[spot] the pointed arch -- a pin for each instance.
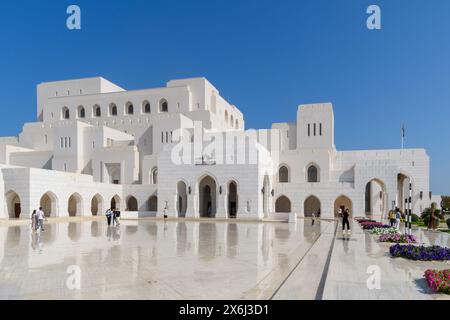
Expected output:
(112, 109)
(163, 106)
(207, 192)
(146, 107)
(115, 202)
(129, 107)
(283, 174)
(312, 206)
(65, 113)
(132, 203)
(283, 204)
(97, 111)
(13, 204)
(181, 198)
(97, 204)
(152, 203)
(312, 173)
(81, 112)
(375, 197)
(343, 202)
(75, 205)
(233, 198)
(49, 204)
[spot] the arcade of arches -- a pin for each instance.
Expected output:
(375, 199)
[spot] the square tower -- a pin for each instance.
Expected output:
(315, 126)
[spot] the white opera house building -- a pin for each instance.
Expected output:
(184, 150)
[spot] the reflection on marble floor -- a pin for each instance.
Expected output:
(152, 259)
(400, 279)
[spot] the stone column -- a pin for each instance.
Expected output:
(221, 205)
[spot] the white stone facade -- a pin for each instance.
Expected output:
(94, 142)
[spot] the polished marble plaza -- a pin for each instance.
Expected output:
(153, 259)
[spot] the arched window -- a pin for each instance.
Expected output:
(146, 107)
(231, 120)
(113, 109)
(130, 108)
(237, 124)
(313, 174)
(226, 116)
(65, 113)
(97, 111)
(154, 176)
(163, 106)
(283, 175)
(81, 112)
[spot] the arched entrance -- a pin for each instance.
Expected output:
(207, 197)
(152, 204)
(266, 194)
(402, 191)
(232, 199)
(74, 205)
(283, 204)
(115, 203)
(181, 199)
(375, 197)
(97, 205)
(49, 204)
(132, 204)
(13, 205)
(312, 207)
(343, 202)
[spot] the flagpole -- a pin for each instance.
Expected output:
(403, 136)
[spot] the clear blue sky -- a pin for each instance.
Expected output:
(267, 57)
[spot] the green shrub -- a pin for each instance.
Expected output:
(448, 223)
(426, 219)
(414, 217)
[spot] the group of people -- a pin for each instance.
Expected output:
(395, 217)
(37, 220)
(113, 216)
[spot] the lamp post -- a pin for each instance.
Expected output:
(409, 217)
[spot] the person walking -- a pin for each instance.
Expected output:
(398, 218)
(40, 216)
(392, 219)
(116, 217)
(108, 216)
(165, 212)
(33, 220)
(345, 221)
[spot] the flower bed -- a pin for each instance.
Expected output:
(379, 231)
(363, 220)
(398, 238)
(372, 225)
(438, 281)
(421, 253)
